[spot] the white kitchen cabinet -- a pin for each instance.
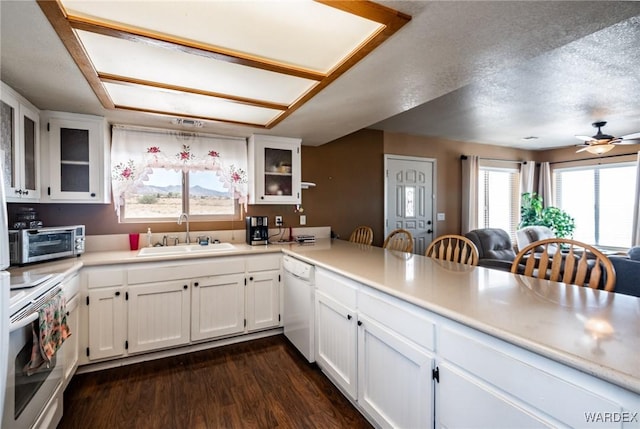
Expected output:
(107, 316)
(275, 170)
(506, 386)
(262, 294)
(19, 146)
(336, 342)
(70, 348)
(395, 361)
(377, 349)
(78, 152)
(217, 306)
(158, 315)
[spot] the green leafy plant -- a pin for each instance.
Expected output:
(556, 219)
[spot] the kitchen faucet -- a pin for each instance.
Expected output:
(186, 218)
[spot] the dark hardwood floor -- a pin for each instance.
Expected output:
(263, 383)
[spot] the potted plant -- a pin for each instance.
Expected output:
(556, 219)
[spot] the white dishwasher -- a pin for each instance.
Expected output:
(299, 305)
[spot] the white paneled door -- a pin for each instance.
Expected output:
(409, 197)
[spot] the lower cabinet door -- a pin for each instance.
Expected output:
(336, 342)
(263, 300)
(71, 344)
(217, 306)
(465, 402)
(107, 322)
(395, 385)
(158, 315)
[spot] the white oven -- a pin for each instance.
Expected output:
(27, 395)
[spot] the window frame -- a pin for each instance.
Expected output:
(237, 213)
(600, 164)
(504, 166)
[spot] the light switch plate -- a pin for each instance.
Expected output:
(303, 219)
(440, 216)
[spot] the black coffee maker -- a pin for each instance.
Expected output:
(257, 230)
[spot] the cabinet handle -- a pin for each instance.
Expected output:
(93, 194)
(250, 278)
(359, 322)
(262, 198)
(185, 287)
(19, 191)
(348, 317)
(26, 192)
(117, 293)
(196, 284)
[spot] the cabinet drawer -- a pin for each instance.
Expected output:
(559, 391)
(264, 262)
(337, 287)
(403, 318)
(104, 277)
(149, 273)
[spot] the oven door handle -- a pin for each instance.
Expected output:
(14, 326)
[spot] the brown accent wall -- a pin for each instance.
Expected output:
(348, 173)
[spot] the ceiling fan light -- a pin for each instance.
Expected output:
(599, 149)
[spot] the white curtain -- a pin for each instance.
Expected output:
(636, 208)
(544, 185)
(135, 151)
(470, 173)
(527, 170)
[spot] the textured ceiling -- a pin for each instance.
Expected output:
(488, 72)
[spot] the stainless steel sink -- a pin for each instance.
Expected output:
(185, 249)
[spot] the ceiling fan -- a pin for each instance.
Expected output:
(602, 143)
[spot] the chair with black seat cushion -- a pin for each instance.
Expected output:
(495, 249)
(578, 263)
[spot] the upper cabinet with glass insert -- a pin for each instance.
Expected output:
(274, 170)
(77, 151)
(19, 146)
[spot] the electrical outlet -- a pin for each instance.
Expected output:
(278, 220)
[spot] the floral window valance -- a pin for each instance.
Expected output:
(136, 151)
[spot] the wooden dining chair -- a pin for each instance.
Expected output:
(399, 239)
(362, 235)
(454, 248)
(576, 263)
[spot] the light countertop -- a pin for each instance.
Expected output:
(594, 331)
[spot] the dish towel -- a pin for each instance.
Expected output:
(51, 333)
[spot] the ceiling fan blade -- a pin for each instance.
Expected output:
(582, 149)
(585, 138)
(634, 136)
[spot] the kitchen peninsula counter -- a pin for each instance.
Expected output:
(594, 331)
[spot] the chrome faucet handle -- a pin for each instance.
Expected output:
(175, 239)
(164, 240)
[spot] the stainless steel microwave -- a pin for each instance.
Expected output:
(42, 244)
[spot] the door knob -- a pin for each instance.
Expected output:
(428, 222)
(429, 231)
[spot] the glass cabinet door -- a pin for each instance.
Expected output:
(30, 125)
(275, 170)
(74, 160)
(278, 176)
(19, 148)
(8, 143)
(74, 156)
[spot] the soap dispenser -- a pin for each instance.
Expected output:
(149, 238)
